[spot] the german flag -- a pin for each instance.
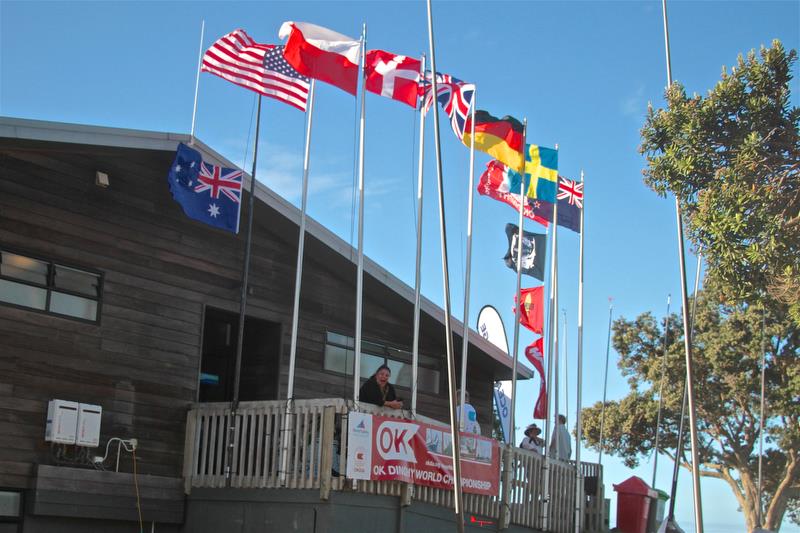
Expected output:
(501, 138)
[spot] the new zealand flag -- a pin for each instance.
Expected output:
(570, 205)
(206, 192)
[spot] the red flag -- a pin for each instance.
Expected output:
(498, 181)
(531, 313)
(322, 54)
(540, 409)
(394, 76)
(534, 354)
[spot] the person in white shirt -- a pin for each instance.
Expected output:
(470, 415)
(561, 444)
(532, 441)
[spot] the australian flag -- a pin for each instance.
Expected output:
(206, 192)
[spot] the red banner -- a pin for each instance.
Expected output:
(383, 448)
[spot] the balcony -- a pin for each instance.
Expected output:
(260, 448)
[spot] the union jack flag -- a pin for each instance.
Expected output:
(227, 181)
(455, 97)
(571, 191)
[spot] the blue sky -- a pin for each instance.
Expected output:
(582, 73)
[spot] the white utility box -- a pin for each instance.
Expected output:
(89, 425)
(62, 422)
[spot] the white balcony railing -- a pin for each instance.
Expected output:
(259, 447)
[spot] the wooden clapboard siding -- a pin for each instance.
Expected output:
(140, 363)
(161, 270)
(81, 493)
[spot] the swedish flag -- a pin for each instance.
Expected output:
(541, 167)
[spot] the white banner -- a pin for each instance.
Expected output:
(359, 445)
(491, 327)
(503, 405)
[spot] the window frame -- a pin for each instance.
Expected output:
(20, 518)
(387, 349)
(50, 286)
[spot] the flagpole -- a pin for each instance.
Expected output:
(566, 364)
(605, 384)
(556, 357)
(679, 446)
(243, 301)
(518, 296)
(762, 406)
(451, 372)
(661, 391)
(470, 201)
(687, 341)
(301, 240)
(197, 79)
(360, 268)
(418, 271)
(579, 495)
(551, 319)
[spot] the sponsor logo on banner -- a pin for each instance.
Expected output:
(394, 440)
(359, 446)
(383, 448)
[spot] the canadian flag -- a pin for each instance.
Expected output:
(391, 75)
(322, 54)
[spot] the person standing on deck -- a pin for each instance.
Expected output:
(471, 416)
(378, 391)
(532, 442)
(560, 445)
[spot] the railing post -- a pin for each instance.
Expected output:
(189, 450)
(507, 476)
(580, 498)
(406, 494)
(326, 452)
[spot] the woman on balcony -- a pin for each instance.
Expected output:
(378, 391)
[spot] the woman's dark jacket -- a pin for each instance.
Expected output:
(370, 392)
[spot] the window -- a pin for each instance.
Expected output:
(49, 287)
(339, 356)
(11, 506)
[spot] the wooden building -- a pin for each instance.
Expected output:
(111, 296)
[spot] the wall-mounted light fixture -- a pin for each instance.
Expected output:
(101, 179)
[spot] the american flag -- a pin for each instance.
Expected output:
(455, 97)
(258, 67)
(571, 191)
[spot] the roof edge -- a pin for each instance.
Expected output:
(62, 132)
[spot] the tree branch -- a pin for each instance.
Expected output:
(780, 498)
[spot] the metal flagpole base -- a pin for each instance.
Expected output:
(670, 526)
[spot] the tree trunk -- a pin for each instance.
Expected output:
(777, 507)
(743, 490)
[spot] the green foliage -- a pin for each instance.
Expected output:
(733, 160)
(727, 375)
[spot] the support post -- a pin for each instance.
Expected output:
(507, 476)
(326, 452)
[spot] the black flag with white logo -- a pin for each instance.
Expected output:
(533, 251)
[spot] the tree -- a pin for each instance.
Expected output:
(733, 160)
(727, 359)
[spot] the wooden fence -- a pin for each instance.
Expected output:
(266, 445)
